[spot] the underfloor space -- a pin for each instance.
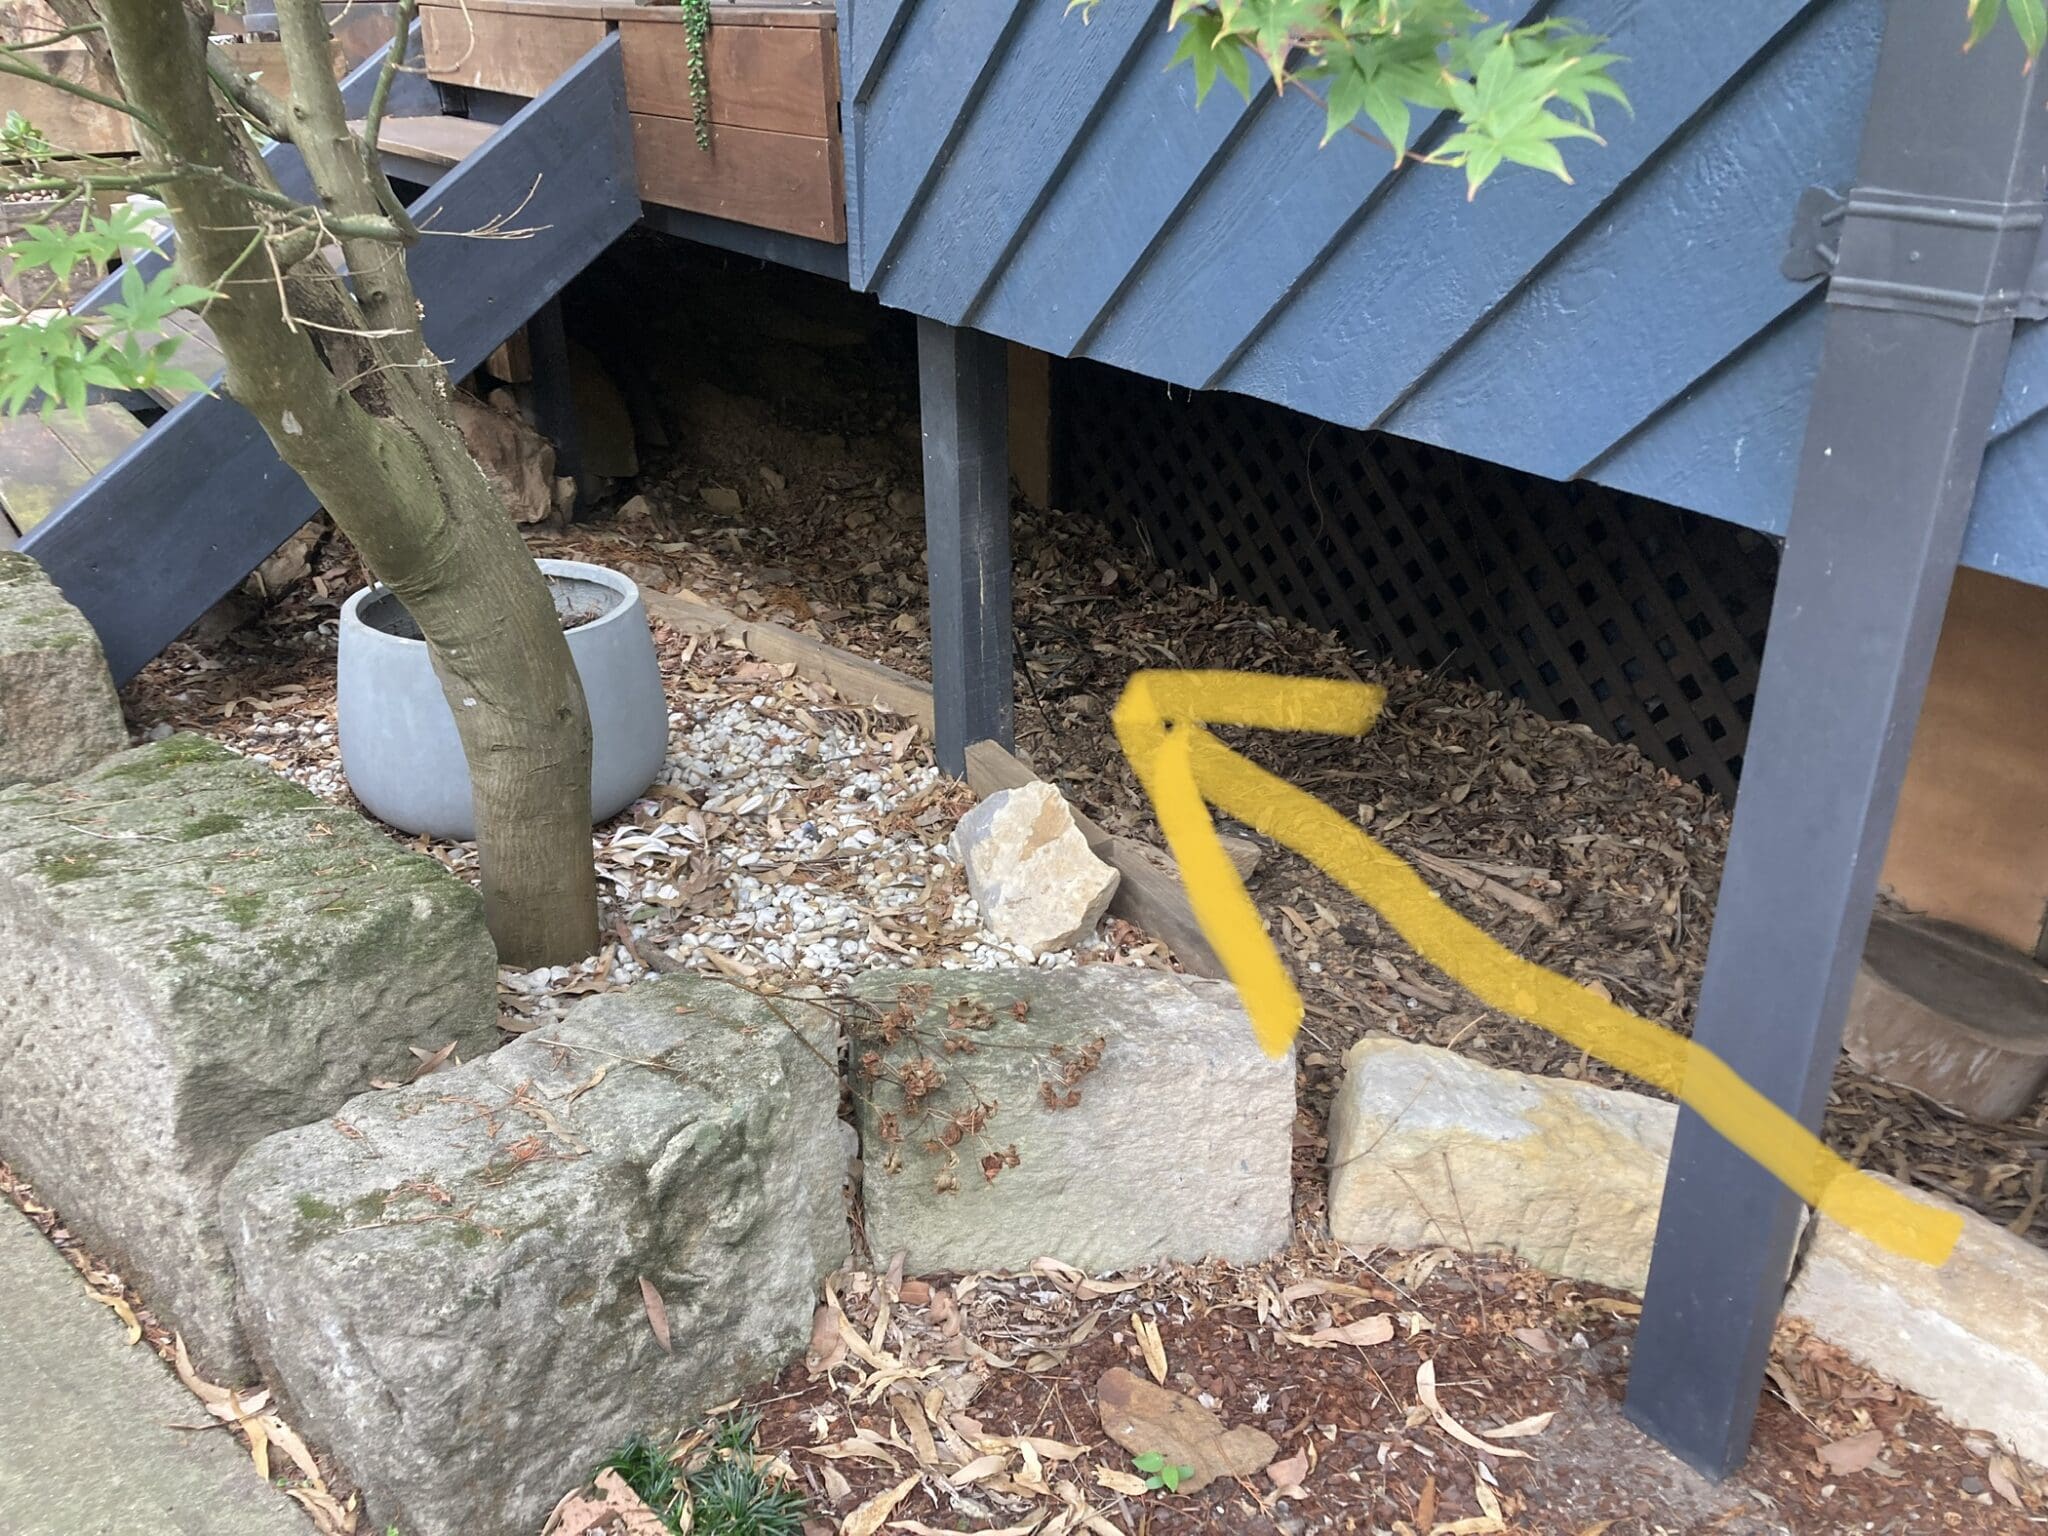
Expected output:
(790, 490)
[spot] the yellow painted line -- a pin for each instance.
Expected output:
(1161, 723)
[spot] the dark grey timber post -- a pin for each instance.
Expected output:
(963, 392)
(1934, 253)
(554, 395)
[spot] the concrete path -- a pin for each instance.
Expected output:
(85, 1447)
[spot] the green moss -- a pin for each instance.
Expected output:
(469, 1234)
(311, 1209)
(158, 759)
(63, 867)
(370, 1207)
(246, 908)
(208, 826)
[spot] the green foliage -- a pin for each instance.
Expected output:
(648, 1472)
(723, 1492)
(21, 141)
(697, 31)
(1514, 93)
(2029, 16)
(49, 355)
(1161, 1473)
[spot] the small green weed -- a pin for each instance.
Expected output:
(720, 1486)
(1161, 1473)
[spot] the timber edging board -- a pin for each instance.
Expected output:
(776, 159)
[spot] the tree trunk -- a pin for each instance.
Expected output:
(360, 409)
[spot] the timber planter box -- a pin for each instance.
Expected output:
(520, 47)
(70, 122)
(775, 159)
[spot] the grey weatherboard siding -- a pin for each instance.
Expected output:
(1019, 171)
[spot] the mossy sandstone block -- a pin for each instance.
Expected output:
(1099, 1114)
(446, 1281)
(59, 713)
(195, 954)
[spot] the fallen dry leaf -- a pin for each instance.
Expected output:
(1153, 1346)
(1425, 1505)
(657, 1314)
(1143, 1418)
(1286, 1475)
(122, 1310)
(2000, 1474)
(828, 1345)
(869, 1517)
(977, 1469)
(1853, 1453)
(1535, 1424)
(1377, 1329)
(1129, 1484)
(611, 1504)
(1425, 1388)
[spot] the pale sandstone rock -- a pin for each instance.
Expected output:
(1033, 875)
(1427, 1147)
(1971, 1336)
(59, 713)
(194, 954)
(454, 1296)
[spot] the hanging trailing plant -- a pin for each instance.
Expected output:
(697, 29)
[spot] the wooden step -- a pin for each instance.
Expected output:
(45, 460)
(435, 141)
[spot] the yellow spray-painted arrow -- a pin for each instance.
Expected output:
(1161, 720)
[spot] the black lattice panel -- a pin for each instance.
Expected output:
(1639, 619)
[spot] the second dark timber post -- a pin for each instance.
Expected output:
(1935, 249)
(963, 389)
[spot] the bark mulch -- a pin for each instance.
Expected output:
(974, 1398)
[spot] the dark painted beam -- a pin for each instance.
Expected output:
(963, 393)
(202, 498)
(1935, 250)
(778, 246)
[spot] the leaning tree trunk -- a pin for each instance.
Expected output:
(341, 381)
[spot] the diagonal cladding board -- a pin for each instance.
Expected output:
(1048, 179)
(201, 500)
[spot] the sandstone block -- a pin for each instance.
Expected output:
(1033, 875)
(1145, 1121)
(1971, 1336)
(59, 713)
(462, 1294)
(1427, 1147)
(195, 954)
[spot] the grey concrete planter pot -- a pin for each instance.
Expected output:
(398, 742)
